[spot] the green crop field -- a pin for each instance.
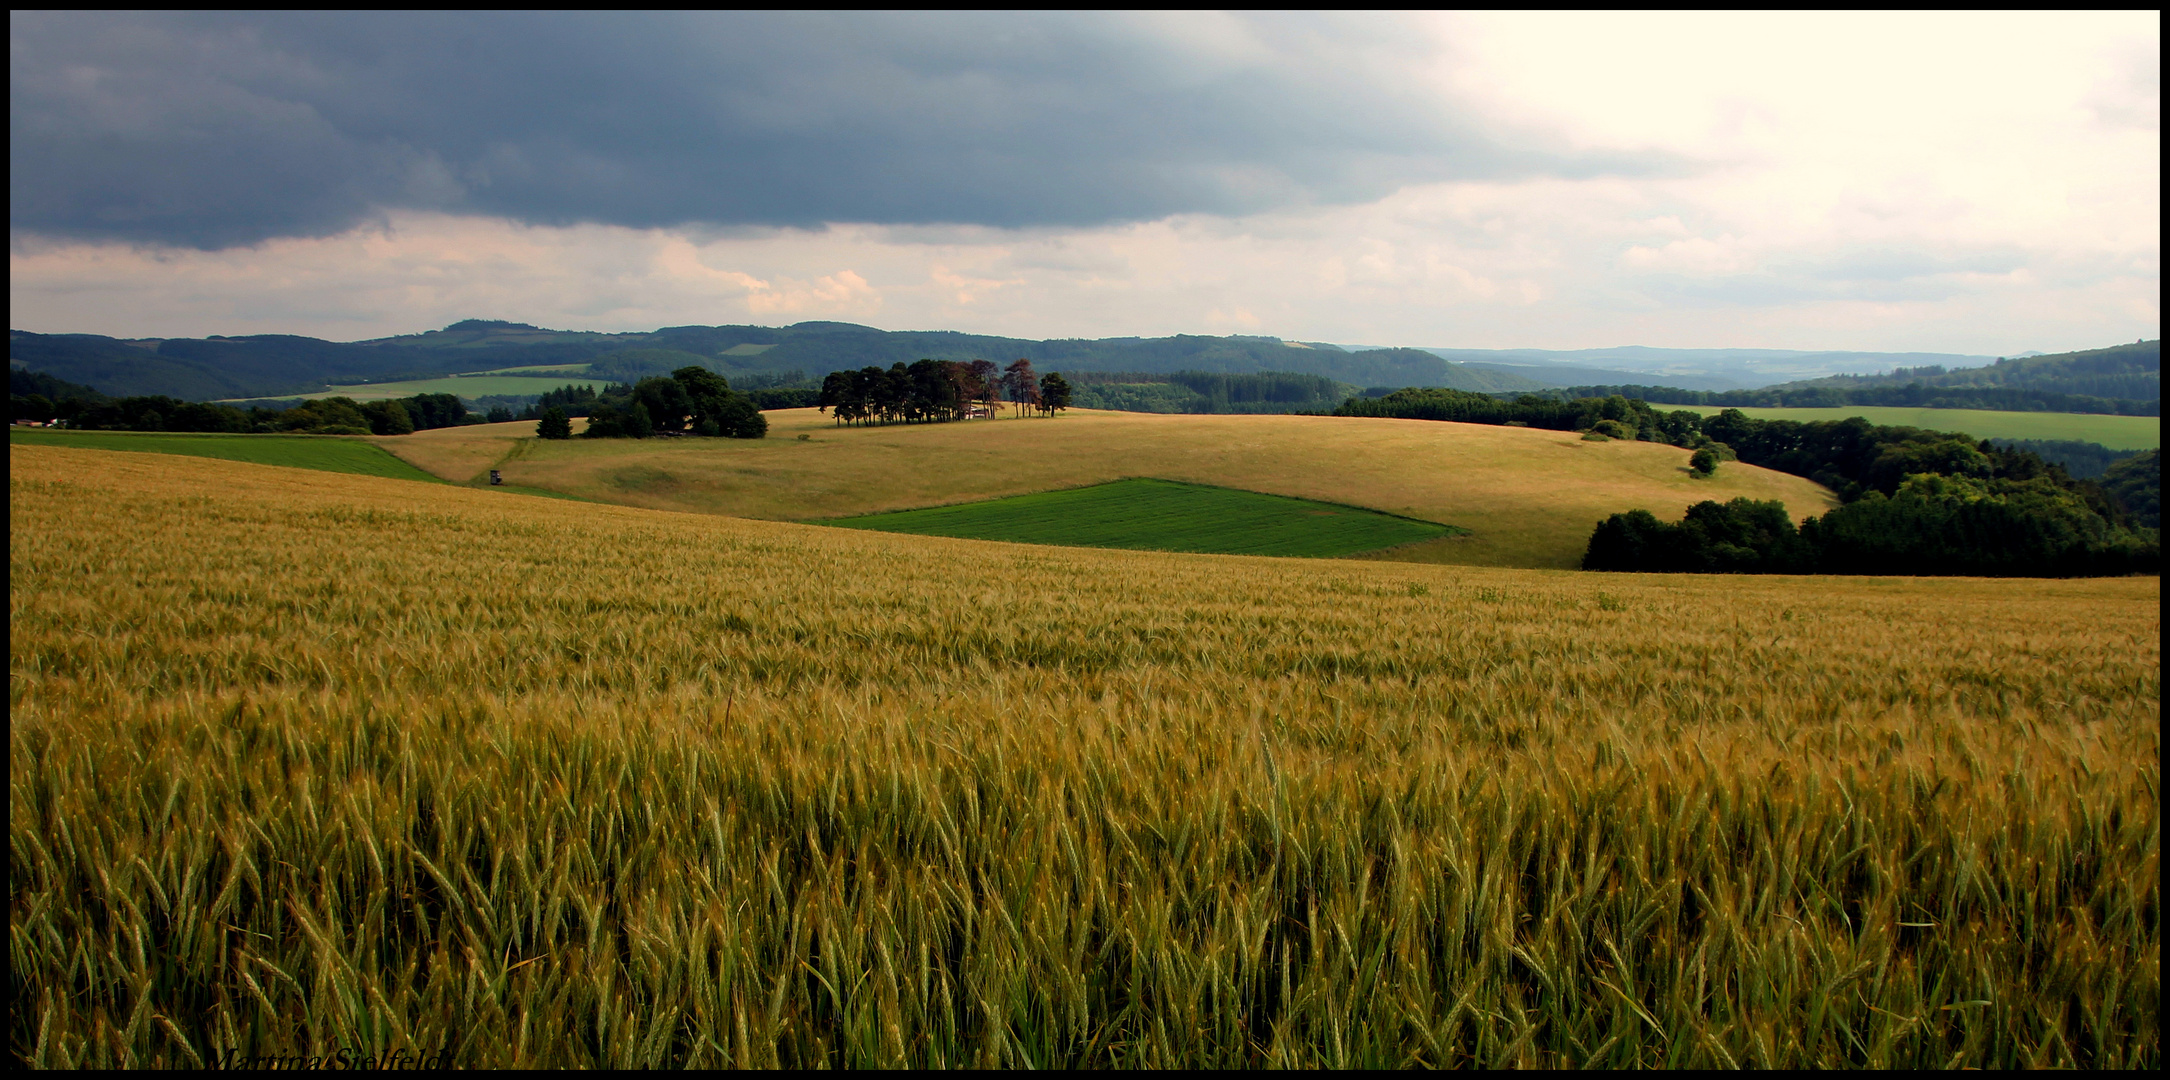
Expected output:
(2115, 432)
(326, 453)
(1163, 515)
(466, 386)
(304, 765)
(551, 371)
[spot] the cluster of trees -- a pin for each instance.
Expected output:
(86, 409)
(692, 400)
(933, 391)
(1933, 525)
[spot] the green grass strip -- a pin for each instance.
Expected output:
(326, 453)
(1164, 515)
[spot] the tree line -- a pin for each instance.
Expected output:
(936, 391)
(85, 409)
(1680, 428)
(1207, 391)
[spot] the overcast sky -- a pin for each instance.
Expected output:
(1984, 183)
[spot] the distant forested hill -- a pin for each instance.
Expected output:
(199, 369)
(279, 365)
(2122, 380)
(2121, 371)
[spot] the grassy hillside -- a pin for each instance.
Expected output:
(327, 453)
(1160, 515)
(1530, 498)
(2115, 432)
(303, 763)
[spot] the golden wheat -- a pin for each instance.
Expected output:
(310, 764)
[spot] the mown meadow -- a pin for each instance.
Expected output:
(309, 764)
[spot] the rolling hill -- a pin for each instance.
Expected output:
(1529, 497)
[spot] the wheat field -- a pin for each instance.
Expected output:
(305, 764)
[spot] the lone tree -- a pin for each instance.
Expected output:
(1703, 463)
(554, 425)
(1054, 393)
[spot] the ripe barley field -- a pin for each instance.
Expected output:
(314, 764)
(331, 453)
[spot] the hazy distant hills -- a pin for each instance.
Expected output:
(279, 365)
(2120, 371)
(2120, 380)
(1695, 369)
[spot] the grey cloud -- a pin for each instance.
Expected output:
(216, 130)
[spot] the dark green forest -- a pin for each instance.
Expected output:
(2084, 460)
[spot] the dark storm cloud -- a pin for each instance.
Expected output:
(219, 130)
